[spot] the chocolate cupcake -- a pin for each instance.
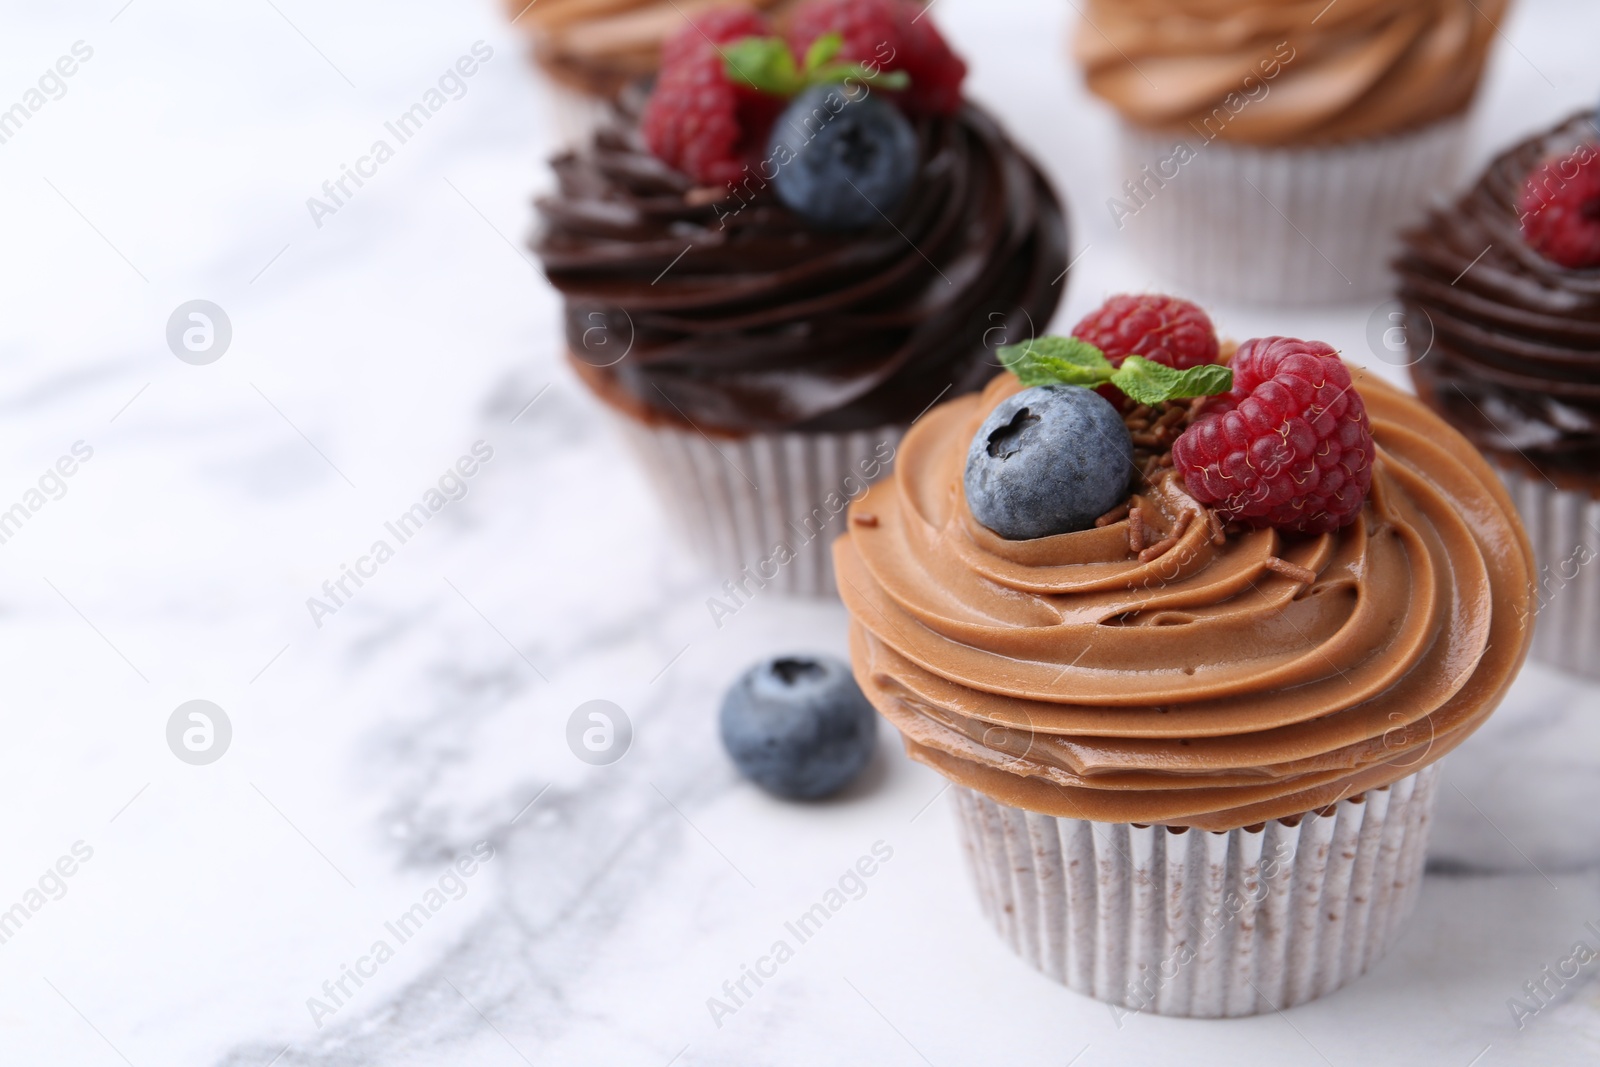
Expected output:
(1193, 742)
(764, 359)
(1502, 304)
(1271, 150)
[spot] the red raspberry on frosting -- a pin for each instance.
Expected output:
(697, 121)
(894, 35)
(1159, 328)
(1560, 207)
(1289, 447)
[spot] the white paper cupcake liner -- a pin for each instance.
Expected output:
(1564, 526)
(763, 510)
(1281, 225)
(1202, 924)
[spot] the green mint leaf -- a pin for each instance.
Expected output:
(763, 63)
(823, 49)
(766, 64)
(1057, 361)
(886, 79)
(1152, 383)
(838, 72)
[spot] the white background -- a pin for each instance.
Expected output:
(367, 355)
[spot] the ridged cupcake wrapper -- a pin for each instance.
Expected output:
(1283, 225)
(737, 500)
(1564, 526)
(1193, 923)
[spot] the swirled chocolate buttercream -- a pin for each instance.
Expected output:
(1226, 678)
(738, 316)
(1506, 343)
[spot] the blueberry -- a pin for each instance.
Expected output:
(1048, 460)
(842, 160)
(798, 726)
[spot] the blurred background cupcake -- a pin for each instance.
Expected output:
(588, 51)
(768, 285)
(1193, 738)
(1502, 305)
(1272, 148)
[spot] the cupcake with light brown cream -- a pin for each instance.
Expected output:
(1190, 724)
(1272, 150)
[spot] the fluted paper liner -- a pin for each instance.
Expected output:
(1194, 923)
(737, 500)
(1284, 225)
(1564, 526)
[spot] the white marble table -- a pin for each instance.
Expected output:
(427, 713)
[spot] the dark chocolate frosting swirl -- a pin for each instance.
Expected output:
(1515, 357)
(742, 317)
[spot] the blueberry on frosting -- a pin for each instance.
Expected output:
(843, 161)
(1048, 460)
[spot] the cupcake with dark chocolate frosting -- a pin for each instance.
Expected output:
(1502, 303)
(785, 253)
(1188, 629)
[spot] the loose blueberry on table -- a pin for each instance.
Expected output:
(799, 726)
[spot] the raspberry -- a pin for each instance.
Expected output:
(1160, 328)
(1289, 447)
(895, 35)
(1560, 206)
(936, 72)
(697, 121)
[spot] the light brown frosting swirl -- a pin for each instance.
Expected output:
(1354, 69)
(600, 46)
(1063, 676)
